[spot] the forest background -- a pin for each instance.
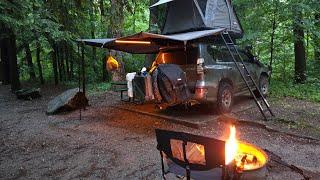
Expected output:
(37, 39)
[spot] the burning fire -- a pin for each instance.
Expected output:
(231, 148)
(242, 155)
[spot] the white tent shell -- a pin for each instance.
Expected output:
(193, 15)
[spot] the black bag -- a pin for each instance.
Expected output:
(142, 88)
(170, 84)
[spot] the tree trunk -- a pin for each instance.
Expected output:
(5, 61)
(117, 11)
(13, 63)
(104, 70)
(317, 41)
(55, 65)
(299, 47)
(54, 58)
(66, 53)
(71, 65)
(93, 36)
(29, 61)
(134, 16)
(59, 69)
(102, 10)
(38, 51)
(274, 27)
(62, 61)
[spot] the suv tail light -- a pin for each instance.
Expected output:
(201, 93)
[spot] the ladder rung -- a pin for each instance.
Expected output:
(262, 103)
(259, 104)
(249, 83)
(266, 104)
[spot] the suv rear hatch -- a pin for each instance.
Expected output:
(187, 60)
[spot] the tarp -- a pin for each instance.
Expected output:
(193, 15)
(156, 41)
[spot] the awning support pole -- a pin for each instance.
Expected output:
(79, 78)
(79, 67)
(83, 70)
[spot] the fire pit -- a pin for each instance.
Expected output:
(198, 157)
(244, 160)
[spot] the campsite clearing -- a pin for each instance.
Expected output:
(115, 144)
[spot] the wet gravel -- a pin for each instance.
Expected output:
(107, 143)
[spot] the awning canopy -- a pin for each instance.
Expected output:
(148, 43)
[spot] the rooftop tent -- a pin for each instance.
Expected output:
(191, 15)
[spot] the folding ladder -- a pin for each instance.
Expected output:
(260, 100)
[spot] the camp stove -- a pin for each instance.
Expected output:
(198, 157)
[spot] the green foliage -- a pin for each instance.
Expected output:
(308, 91)
(257, 18)
(263, 18)
(98, 87)
(133, 63)
(91, 87)
(53, 23)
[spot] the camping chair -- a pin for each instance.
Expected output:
(120, 87)
(191, 156)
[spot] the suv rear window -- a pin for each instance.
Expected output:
(219, 53)
(179, 57)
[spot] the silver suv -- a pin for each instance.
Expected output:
(212, 75)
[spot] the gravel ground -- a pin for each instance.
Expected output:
(113, 144)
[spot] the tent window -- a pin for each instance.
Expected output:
(203, 6)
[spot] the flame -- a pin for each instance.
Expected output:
(231, 147)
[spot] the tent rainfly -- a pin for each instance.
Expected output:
(193, 15)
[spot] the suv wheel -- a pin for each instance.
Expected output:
(225, 98)
(263, 86)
